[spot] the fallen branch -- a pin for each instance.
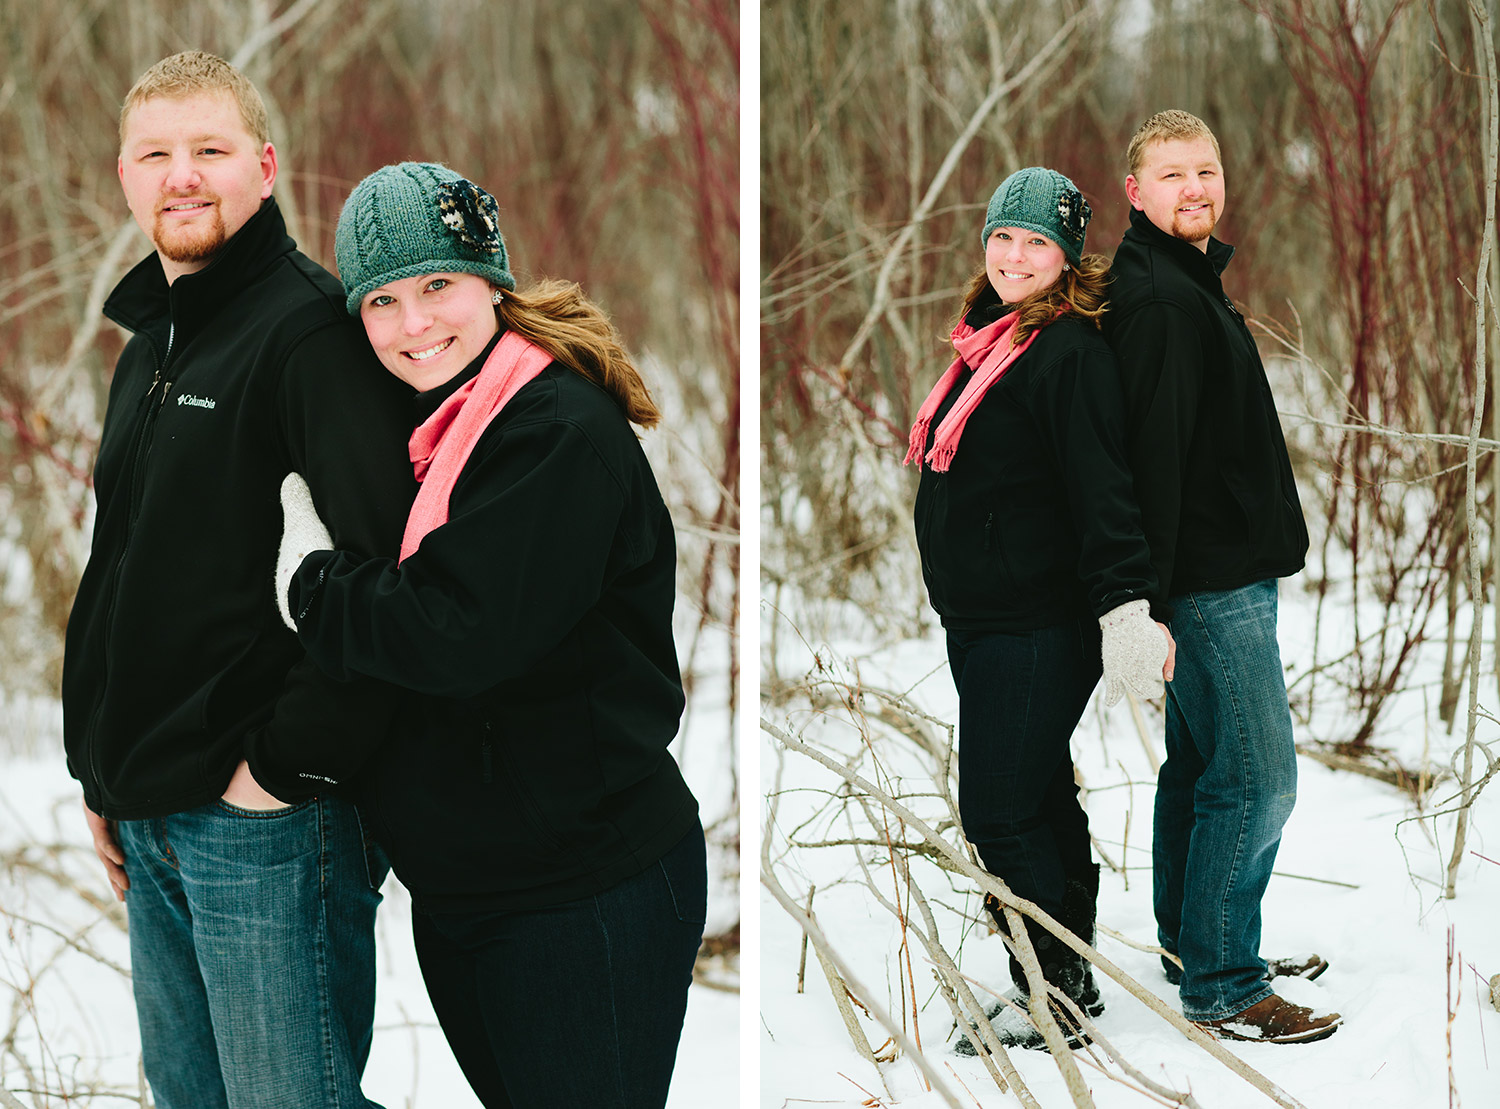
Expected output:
(825, 950)
(1393, 774)
(990, 884)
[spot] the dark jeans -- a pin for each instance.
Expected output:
(252, 954)
(576, 1004)
(1020, 695)
(1223, 795)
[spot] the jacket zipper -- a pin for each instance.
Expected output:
(989, 531)
(487, 753)
(140, 451)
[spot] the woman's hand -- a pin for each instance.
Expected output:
(302, 532)
(244, 792)
(1137, 656)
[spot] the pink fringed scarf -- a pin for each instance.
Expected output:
(989, 351)
(441, 446)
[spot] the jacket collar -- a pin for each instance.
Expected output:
(1195, 261)
(143, 301)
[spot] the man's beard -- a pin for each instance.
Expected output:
(188, 245)
(1180, 226)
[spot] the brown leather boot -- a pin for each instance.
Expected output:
(1274, 1020)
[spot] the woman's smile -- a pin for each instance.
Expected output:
(427, 328)
(427, 352)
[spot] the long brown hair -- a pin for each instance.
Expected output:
(1081, 290)
(556, 316)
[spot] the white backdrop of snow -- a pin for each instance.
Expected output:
(1384, 929)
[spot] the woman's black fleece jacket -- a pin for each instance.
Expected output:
(1034, 523)
(536, 625)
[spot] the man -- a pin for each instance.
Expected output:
(1220, 511)
(205, 745)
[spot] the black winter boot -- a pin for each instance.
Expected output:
(1062, 967)
(1080, 910)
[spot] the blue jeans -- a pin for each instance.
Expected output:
(1020, 695)
(574, 1004)
(1223, 795)
(252, 951)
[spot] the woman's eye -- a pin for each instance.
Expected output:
(438, 285)
(381, 301)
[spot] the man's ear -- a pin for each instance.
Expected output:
(267, 170)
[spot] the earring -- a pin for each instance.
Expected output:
(496, 297)
(1066, 267)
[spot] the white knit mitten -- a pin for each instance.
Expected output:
(1135, 650)
(302, 532)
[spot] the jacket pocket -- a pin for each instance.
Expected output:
(515, 784)
(999, 564)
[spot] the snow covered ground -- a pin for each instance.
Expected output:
(1356, 879)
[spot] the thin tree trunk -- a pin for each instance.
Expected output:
(1484, 50)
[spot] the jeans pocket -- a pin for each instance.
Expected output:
(262, 814)
(684, 869)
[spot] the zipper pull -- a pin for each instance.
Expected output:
(161, 367)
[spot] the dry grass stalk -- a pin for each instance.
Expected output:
(824, 949)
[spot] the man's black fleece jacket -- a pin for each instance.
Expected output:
(177, 664)
(1212, 476)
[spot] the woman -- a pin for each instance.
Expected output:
(526, 798)
(1032, 553)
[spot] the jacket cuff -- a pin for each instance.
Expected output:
(307, 584)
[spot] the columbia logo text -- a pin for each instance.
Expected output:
(196, 402)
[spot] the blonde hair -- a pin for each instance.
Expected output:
(1164, 127)
(556, 316)
(1081, 291)
(192, 72)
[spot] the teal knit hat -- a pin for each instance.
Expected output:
(1042, 200)
(416, 218)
